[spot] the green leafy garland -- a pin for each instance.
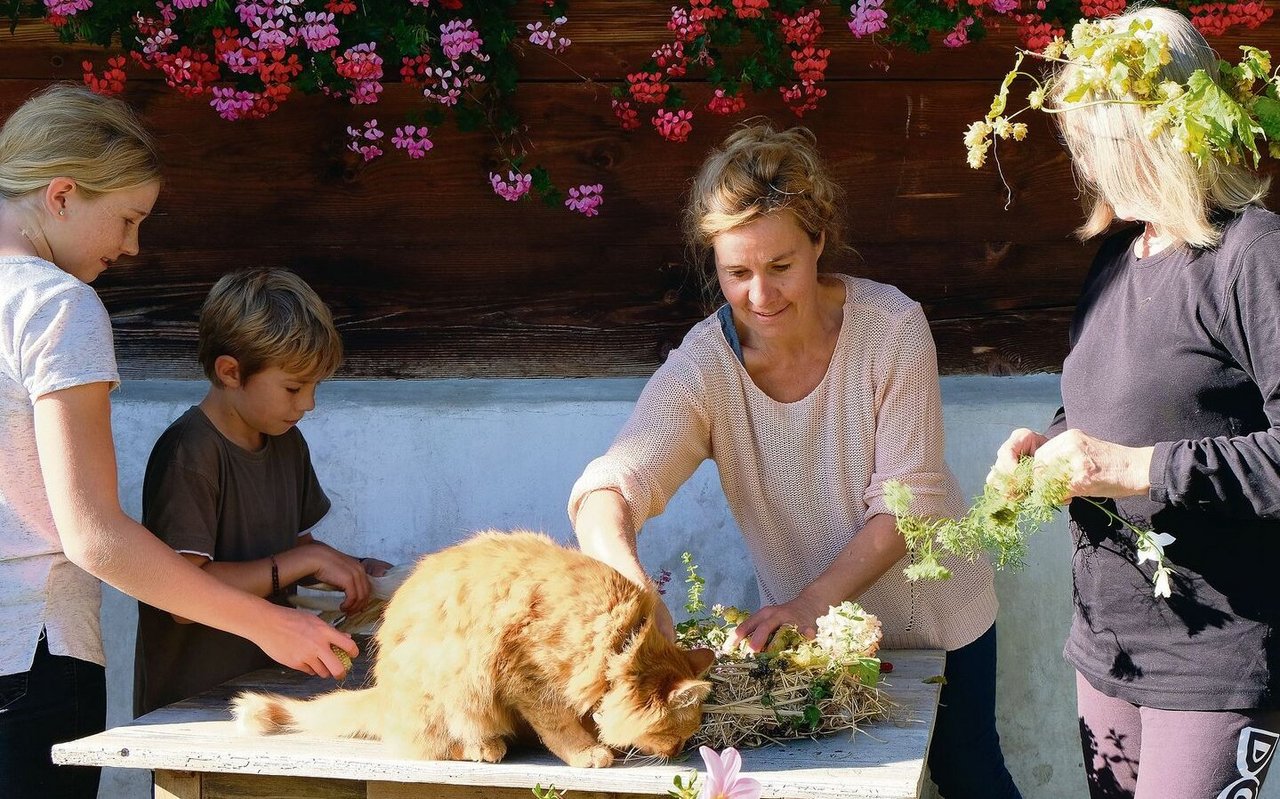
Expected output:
(1001, 520)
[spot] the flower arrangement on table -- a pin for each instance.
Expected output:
(246, 57)
(795, 688)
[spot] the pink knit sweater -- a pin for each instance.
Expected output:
(803, 477)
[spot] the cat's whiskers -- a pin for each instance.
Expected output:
(634, 756)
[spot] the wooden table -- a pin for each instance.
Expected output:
(196, 753)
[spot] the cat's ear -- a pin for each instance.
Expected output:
(688, 693)
(700, 660)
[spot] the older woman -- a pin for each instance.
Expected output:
(1171, 408)
(810, 390)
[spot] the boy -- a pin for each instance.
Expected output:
(230, 485)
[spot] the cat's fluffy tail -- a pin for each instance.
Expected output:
(336, 714)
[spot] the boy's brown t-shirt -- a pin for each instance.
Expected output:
(206, 495)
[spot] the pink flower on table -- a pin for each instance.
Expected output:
(723, 778)
(674, 125)
(365, 140)
(1004, 6)
(413, 140)
(232, 104)
(869, 17)
(189, 4)
(586, 199)
(513, 187)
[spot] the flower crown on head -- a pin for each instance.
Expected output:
(1119, 63)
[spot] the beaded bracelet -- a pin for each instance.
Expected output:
(275, 576)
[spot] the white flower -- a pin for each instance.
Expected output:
(1161, 581)
(1151, 547)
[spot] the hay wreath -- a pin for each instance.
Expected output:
(795, 688)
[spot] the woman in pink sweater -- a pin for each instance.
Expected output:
(810, 390)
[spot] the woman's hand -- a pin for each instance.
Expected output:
(1097, 468)
(756, 630)
(1019, 444)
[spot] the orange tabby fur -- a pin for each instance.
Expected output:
(506, 629)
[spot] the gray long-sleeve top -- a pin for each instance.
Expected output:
(1181, 350)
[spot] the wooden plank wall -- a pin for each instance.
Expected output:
(431, 275)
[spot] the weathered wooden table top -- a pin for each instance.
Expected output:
(883, 760)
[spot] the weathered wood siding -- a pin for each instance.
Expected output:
(431, 275)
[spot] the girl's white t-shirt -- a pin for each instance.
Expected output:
(54, 334)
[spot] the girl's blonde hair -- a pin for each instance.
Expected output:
(759, 171)
(1120, 166)
(265, 318)
(69, 132)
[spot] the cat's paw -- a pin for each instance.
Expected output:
(594, 757)
(490, 751)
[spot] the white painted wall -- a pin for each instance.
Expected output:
(412, 466)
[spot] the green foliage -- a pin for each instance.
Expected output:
(697, 584)
(1011, 508)
(998, 523)
(1212, 117)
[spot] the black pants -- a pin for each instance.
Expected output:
(965, 758)
(59, 699)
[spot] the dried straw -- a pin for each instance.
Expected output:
(750, 708)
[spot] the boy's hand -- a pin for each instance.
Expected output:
(374, 567)
(301, 641)
(344, 572)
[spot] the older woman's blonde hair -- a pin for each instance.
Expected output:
(69, 132)
(759, 171)
(265, 318)
(1120, 166)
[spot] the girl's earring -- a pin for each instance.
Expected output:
(62, 212)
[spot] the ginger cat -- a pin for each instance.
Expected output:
(504, 630)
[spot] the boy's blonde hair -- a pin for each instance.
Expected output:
(1120, 166)
(69, 132)
(759, 171)
(265, 318)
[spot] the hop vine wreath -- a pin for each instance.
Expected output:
(1115, 63)
(1001, 520)
(795, 688)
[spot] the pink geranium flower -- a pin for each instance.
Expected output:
(723, 778)
(586, 199)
